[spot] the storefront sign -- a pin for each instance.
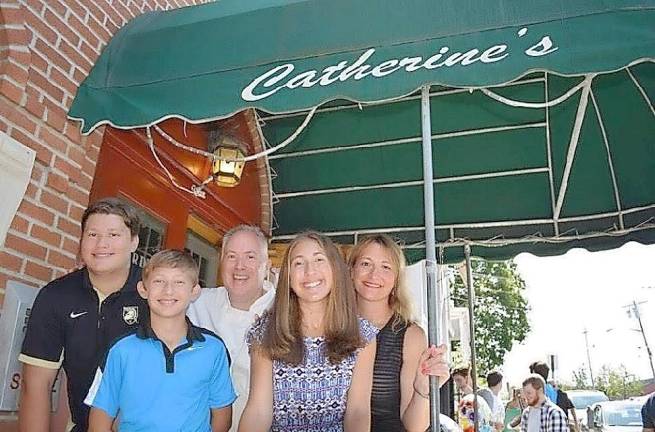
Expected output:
(367, 65)
(13, 324)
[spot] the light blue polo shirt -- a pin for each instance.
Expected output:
(155, 389)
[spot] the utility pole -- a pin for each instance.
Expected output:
(625, 378)
(634, 309)
(591, 372)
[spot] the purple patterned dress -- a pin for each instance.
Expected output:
(311, 397)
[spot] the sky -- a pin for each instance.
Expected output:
(586, 290)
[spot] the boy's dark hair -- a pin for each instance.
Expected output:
(114, 206)
(172, 258)
(540, 368)
(494, 378)
(536, 381)
(463, 371)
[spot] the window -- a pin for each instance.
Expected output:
(206, 256)
(151, 235)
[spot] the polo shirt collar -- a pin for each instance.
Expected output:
(144, 331)
(133, 278)
(193, 334)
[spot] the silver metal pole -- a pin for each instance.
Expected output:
(591, 371)
(430, 252)
(471, 303)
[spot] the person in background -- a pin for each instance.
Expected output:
(230, 310)
(513, 410)
(555, 395)
(464, 383)
(541, 415)
(648, 414)
(400, 396)
(467, 414)
(167, 375)
(77, 316)
(491, 396)
(311, 357)
(462, 379)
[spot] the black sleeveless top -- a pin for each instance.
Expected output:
(385, 395)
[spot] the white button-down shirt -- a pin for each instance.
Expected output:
(213, 311)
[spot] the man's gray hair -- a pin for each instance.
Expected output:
(263, 241)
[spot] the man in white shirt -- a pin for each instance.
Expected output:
(229, 311)
(495, 383)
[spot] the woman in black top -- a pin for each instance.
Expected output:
(399, 398)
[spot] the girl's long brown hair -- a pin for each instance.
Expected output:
(283, 338)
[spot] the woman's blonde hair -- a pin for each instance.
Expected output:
(399, 299)
(283, 338)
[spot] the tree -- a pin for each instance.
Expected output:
(580, 379)
(618, 383)
(500, 310)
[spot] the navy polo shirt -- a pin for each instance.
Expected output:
(158, 390)
(69, 326)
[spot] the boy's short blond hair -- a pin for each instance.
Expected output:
(172, 258)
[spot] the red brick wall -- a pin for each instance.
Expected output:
(47, 47)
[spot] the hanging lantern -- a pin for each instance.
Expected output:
(228, 154)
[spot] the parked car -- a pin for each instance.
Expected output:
(582, 399)
(616, 416)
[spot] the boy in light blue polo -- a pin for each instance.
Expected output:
(168, 375)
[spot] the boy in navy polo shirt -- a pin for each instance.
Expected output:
(168, 375)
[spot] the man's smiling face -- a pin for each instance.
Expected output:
(243, 264)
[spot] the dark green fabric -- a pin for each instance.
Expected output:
(194, 62)
(493, 164)
(516, 212)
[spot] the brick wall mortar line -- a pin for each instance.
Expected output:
(109, 18)
(12, 81)
(54, 83)
(58, 48)
(29, 7)
(33, 240)
(84, 19)
(103, 42)
(13, 26)
(24, 276)
(62, 252)
(17, 64)
(23, 112)
(40, 242)
(18, 48)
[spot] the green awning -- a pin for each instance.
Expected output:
(213, 60)
(502, 182)
(543, 125)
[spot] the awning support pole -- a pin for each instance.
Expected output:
(471, 307)
(430, 250)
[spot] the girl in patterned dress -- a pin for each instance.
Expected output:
(311, 357)
(400, 394)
